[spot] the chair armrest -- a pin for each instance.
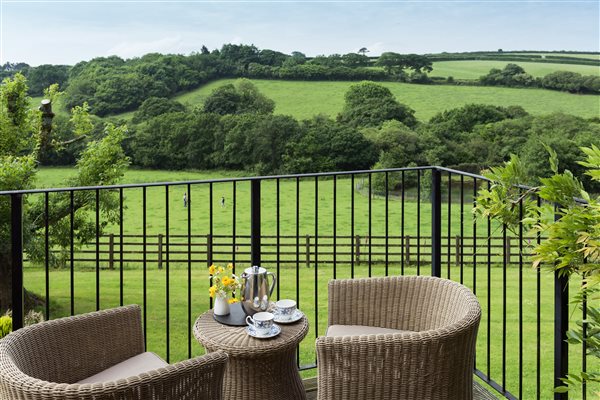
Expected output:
(199, 378)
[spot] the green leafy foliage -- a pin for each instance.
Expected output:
(570, 233)
(5, 325)
(368, 104)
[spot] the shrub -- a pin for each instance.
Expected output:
(5, 325)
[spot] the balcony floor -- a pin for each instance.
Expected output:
(479, 393)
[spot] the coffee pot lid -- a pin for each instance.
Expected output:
(255, 269)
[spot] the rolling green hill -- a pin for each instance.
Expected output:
(305, 99)
(473, 69)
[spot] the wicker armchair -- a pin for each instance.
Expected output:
(47, 360)
(398, 338)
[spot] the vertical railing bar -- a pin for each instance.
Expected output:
(210, 240)
(72, 248)
(402, 207)
(189, 267)
(121, 246)
(504, 265)
(335, 227)
(278, 217)
(561, 325)
(370, 224)
(436, 223)
(584, 325)
(387, 230)
(167, 283)
(47, 255)
(297, 253)
(538, 314)
(474, 237)
(316, 257)
(489, 287)
(255, 221)
(461, 248)
(234, 225)
(419, 222)
(521, 299)
(449, 228)
(144, 263)
(16, 210)
(352, 226)
(97, 249)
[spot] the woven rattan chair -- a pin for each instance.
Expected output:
(398, 338)
(47, 360)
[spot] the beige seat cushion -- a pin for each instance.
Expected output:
(355, 330)
(133, 366)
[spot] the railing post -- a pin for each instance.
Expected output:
(436, 223)
(561, 325)
(17, 260)
(255, 222)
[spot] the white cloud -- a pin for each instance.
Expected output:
(128, 49)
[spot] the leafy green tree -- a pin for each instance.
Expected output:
(324, 145)
(155, 106)
(354, 60)
(241, 98)
(393, 63)
(369, 104)
(41, 77)
(565, 134)
(103, 162)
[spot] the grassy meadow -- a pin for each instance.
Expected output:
(473, 69)
(312, 279)
(311, 98)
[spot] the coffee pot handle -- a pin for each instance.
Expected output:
(272, 284)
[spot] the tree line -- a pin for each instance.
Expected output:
(236, 129)
(112, 85)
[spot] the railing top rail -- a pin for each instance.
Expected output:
(247, 178)
(204, 181)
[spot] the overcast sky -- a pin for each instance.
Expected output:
(66, 32)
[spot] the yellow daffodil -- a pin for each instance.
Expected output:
(233, 300)
(212, 269)
(224, 283)
(230, 266)
(212, 290)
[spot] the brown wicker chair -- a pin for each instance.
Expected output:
(398, 338)
(46, 360)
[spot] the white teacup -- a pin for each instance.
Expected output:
(262, 322)
(286, 308)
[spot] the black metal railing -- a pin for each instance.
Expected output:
(266, 221)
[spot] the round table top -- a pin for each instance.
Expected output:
(236, 342)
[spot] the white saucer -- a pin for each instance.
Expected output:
(293, 318)
(275, 330)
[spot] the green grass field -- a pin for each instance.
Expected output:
(313, 280)
(473, 69)
(311, 98)
(595, 56)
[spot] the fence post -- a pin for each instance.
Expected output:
(436, 223)
(209, 250)
(407, 249)
(17, 260)
(357, 246)
(457, 249)
(111, 251)
(255, 238)
(507, 246)
(160, 250)
(307, 251)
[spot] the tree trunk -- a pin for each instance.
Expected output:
(5, 282)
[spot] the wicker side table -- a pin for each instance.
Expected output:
(258, 369)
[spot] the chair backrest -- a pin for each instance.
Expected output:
(67, 350)
(409, 303)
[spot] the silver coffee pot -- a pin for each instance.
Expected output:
(256, 290)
